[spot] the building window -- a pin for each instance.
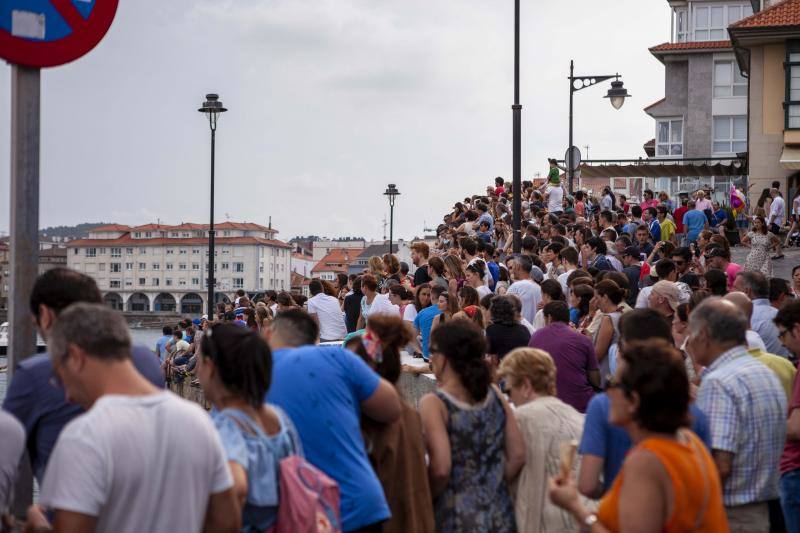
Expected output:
(115, 284)
(142, 266)
(128, 266)
(195, 281)
(129, 251)
(156, 266)
(91, 252)
(170, 251)
(225, 266)
(142, 251)
(181, 266)
(196, 251)
(226, 251)
(238, 267)
(128, 283)
(669, 138)
(195, 266)
(142, 281)
(156, 282)
(730, 135)
(116, 267)
(681, 25)
(75, 251)
(168, 282)
(728, 81)
(137, 235)
(709, 23)
(183, 251)
(116, 252)
(148, 234)
(175, 234)
(792, 103)
(169, 266)
(185, 234)
(101, 251)
(238, 283)
(182, 282)
(226, 233)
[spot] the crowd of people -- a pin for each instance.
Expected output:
(619, 373)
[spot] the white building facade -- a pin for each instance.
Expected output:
(156, 267)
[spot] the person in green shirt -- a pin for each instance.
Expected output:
(554, 174)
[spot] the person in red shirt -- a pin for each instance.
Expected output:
(498, 186)
(788, 322)
(677, 216)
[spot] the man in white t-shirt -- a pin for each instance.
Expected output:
(555, 198)
(777, 211)
(528, 292)
(139, 459)
(326, 312)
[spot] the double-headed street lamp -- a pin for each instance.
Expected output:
(211, 107)
(616, 94)
(391, 193)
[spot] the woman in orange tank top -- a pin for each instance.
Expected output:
(669, 481)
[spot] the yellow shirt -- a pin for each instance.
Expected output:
(667, 230)
(782, 367)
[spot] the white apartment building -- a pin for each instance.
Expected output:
(158, 267)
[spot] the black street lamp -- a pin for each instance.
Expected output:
(392, 193)
(516, 206)
(616, 94)
(211, 107)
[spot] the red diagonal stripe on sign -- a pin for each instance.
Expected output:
(69, 12)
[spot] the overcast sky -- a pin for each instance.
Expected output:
(329, 101)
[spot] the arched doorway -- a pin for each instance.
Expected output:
(191, 304)
(114, 301)
(165, 302)
(221, 298)
(138, 302)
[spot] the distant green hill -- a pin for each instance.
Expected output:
(71, 232)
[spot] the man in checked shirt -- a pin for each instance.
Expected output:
(746, 410)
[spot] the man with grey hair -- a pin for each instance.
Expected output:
(113, 467)
(746, 410)
(756, 286)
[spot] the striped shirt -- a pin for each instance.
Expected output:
(746, 410)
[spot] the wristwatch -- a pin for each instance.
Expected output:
(589, 521)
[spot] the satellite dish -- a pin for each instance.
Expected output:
(572, 158)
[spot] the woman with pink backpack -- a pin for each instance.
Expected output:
(262, 445)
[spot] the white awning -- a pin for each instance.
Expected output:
(790, 157)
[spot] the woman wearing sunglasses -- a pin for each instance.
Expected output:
(669, 481)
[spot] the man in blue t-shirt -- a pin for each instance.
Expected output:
(161, 344)
(695, 221)
(424, 320)
(40, 406)
(324, 390)
(604, 446)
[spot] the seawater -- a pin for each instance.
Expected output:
(144, 336)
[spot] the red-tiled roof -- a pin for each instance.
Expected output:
(786, 13)
(127, 240)
(298, 280)
(655, 104)
(337, 260)
(188, 226)
(112, 227)
(694, 45)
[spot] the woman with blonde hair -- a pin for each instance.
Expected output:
(454, 272)
(391, 267)
(375, 265)
(546, 423)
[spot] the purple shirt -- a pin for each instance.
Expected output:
(574, 356)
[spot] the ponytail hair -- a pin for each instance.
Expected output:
(463, 345)
(394, 333)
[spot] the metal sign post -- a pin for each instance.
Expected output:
(25, 106)
(34, 35)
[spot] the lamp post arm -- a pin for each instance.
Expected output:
(588, 81)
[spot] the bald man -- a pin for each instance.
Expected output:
(783, 368)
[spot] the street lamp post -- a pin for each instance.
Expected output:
(212, 107)
(616, 94)
(391, 193)
(517, 143)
